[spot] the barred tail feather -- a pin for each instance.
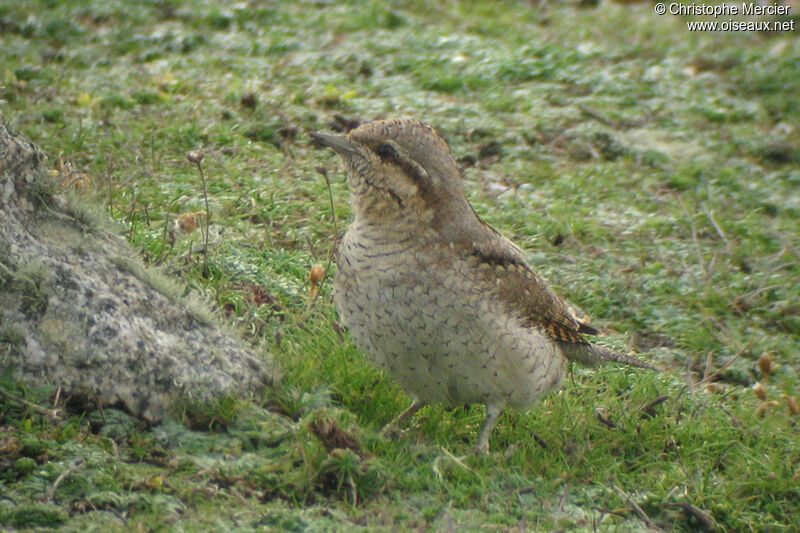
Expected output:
(594, 354)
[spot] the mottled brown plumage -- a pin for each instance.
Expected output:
(435, 296)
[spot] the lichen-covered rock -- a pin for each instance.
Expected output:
(78, 309)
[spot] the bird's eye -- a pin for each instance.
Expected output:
(387, 151)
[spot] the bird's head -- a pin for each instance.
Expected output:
(400, 171)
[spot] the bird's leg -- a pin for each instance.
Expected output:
(393, 427)
(493, 411)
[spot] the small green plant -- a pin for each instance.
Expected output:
(220, 414)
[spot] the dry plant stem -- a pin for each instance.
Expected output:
(728, 363)
(333, 220)
(786, 244)
(689, 381)
(395, 426)
(709, 363)
(208, 215)
(52, 492)
(639, 511)
(698, 248)
(54, 414)
(683, 465)
(332, 249)
(353, 489)
(703, 517)
(716, 225)
(130, 217)
(165, 237)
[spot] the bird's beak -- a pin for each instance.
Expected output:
(341, 143)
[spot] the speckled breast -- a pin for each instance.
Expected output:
(443, 337)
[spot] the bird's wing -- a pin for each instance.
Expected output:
(503, 265)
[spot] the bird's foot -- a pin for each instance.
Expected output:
(481, 449)
(493, 412)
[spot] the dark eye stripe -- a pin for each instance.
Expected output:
(388, 151)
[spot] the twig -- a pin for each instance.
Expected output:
(564, 495)
(353, 489)
(52, 491)
(787, 245)
(698, 248)
(650, 407)
(728, 363)
(639, 511)
(167, 233)
(682, 465)
(130, 216)
(716, 226)
(240, 496)
(689, 380)
(701, 516)
(607, 421)
(610, 511)
(734, 421)
(540, 441)
(744, 298)
(598, 117)
(437, 471)
(695, 239)
(54, 414)
(109, 187)
(618, 124)
(113, 446)
(709, 364)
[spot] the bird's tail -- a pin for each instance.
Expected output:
(594, 354)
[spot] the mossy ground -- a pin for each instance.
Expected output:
(651, 174)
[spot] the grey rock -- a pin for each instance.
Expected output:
(79, 311)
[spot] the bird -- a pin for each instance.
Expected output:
(433, 295)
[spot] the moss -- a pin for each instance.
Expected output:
(116, 100)
(24, 466)
(200, 310)
(31, 446)
(148, 97)
(88, 214)
(11, 337)
(163, 285)
(31, 286)
(218, 414)
(168, 288)
(53, 115)
(33, 516)
(64, 335)
(43, 191)
(6, 272)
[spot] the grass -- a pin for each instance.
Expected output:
(650, 173)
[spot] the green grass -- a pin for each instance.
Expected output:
(651, 174)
